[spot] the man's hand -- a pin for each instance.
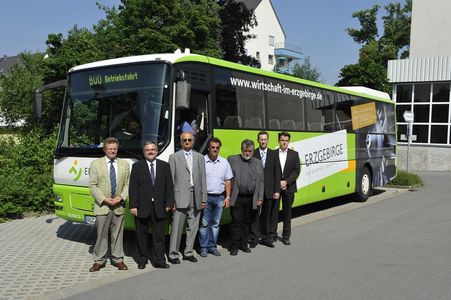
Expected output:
(109, 202)
(227, 202)
(168, 209)
(203, 205)
(283, 185)
(276, 196)
(259, 202)
(134, 211)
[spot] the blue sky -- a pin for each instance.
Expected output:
(318, 27)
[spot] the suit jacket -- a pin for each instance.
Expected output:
(142, 191)
(257, 167)
(291, 170)
(100, 186)
(271, 176)
(181, 179)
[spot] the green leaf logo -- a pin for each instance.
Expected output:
(74, 171)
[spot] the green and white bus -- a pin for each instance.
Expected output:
(345, 137)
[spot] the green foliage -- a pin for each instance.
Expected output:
(406, 179)
(236, 22)
(371, 68)
(305, 70)
(18, 87)
(26, 173)
(143, 27)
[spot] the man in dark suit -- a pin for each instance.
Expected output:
(288, 172)
(271, 202)
(247, 194)
(151, 196)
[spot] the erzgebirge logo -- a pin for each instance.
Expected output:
(74, 171)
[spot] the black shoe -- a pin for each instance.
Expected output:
(274, 239)
(267, 243)
(233, 252)
(174, 261)
(141, 266)
(286, 242)
(161, 265)
(252, 244)
(245, 249)
(190, 258)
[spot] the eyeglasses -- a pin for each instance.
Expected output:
(187, 140)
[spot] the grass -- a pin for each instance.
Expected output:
(406, 179)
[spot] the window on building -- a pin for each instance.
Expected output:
(257, 55)
(422, 92)
(271, 40)
(403, 93)
(270, 59)
(430, 103)
(440, 92)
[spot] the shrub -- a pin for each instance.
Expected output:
(406, 179)
(26, 179)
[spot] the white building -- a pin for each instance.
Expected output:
(269, 45)
(421, 84)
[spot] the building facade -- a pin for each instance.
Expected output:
(422, 84)
(269, 45)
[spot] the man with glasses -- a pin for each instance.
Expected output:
(190, 195)
(218, 173)
(247, 195)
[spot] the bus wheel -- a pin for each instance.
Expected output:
(364, 185)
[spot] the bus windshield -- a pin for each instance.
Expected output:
(129, 102)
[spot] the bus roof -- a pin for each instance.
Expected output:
(179, 56)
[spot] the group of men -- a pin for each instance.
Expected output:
(192, 186)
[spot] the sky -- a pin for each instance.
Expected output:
(318, 27)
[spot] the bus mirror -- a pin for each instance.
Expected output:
(37, 105)
(182, 95)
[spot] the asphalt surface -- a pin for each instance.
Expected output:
(392, 249)
(48, 258)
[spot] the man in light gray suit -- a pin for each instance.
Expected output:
(190, 195)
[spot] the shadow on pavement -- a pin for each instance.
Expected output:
(84, 233)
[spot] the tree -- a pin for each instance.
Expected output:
(142, 27)
(306, 70)
(18, 87)
(236, 22)
(371, 68)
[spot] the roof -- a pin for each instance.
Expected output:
(251, 4)
(7, 62)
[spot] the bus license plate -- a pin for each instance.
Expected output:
(90, 220)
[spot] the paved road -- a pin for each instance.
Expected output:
(393, 249)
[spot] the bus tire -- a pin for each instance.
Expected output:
(364, 185)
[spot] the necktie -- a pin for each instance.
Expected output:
(152, 173)
(189, 161)
(263, 155)
(112, 179)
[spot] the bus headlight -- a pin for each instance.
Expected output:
(58, 198)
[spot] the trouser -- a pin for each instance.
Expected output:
(209, 227)
(287, 203)
(112, 225)
(241, 214)
(192, 215)
(269, 219)
(157, 249)
(254, 229)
